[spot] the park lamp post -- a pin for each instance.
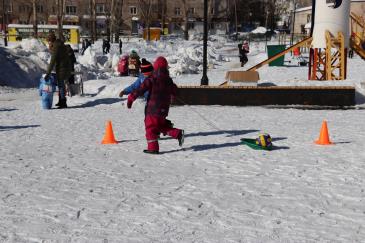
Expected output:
(293, 27)
(4, 25)
(204, 80)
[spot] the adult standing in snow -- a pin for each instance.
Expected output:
(72, 57)
(161, 90)
(104, 46)
(82, 47)
(120, 46)
(61, 62)
(243, 50)
(107, 46)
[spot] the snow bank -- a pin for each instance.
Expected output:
(189, 60)
(23, 64)
(259, 30)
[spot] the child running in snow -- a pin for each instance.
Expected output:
(161, 90)
(46, 89)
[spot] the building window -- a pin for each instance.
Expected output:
(133, 10)
(191, 11)
(212, 11)
(39, 9)
(70, 10)
(177, 11)
(100, 8)
(9, 8)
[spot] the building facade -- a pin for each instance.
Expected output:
(303, 15)
(130, 15)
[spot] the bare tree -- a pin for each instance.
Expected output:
(118, 15)
(93, 20)
(146, 11)
(186, 18)
(60, 4)
(114, 18)
(35, 22)
(163, 14)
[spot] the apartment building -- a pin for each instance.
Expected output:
(130, 15)
(303, 15)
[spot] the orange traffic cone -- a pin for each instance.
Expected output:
(324, 138)
(109, 135)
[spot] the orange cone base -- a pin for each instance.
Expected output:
(323, 143)
(109, 142)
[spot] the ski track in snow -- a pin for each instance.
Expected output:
(59, 184)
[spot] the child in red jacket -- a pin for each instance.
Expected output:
(161, 90)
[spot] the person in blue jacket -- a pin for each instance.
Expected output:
(146, 71)
(46, 89)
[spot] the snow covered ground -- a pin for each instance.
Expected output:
(59, 184)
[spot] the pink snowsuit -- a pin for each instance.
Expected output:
(161, 90)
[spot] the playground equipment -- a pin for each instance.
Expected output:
(357, 34)
(329, 43)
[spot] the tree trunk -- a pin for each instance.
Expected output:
(163, 16)
(93, 21)
(35, 24)
(112, 20)
(186, 29)
(59, 17)
(4, 25)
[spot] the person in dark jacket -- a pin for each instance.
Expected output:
(61, 62)
(120, 46)
(243, 50)
(107, 46)
(72, 57)
(161, 90)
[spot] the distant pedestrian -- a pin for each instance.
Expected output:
(107, 46)
(85, 44)
(120, 46)
(243, 50)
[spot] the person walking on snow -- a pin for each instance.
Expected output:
(146, 71)
(61, 62)
(161, 90)
(243, 50)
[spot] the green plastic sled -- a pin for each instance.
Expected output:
(252, 144)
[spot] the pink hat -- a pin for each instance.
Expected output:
(160, 62)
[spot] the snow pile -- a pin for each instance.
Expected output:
(88, 59)
(24, 63)
(33, 45)
(189, 60)
(19, 70)
(259, 30)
